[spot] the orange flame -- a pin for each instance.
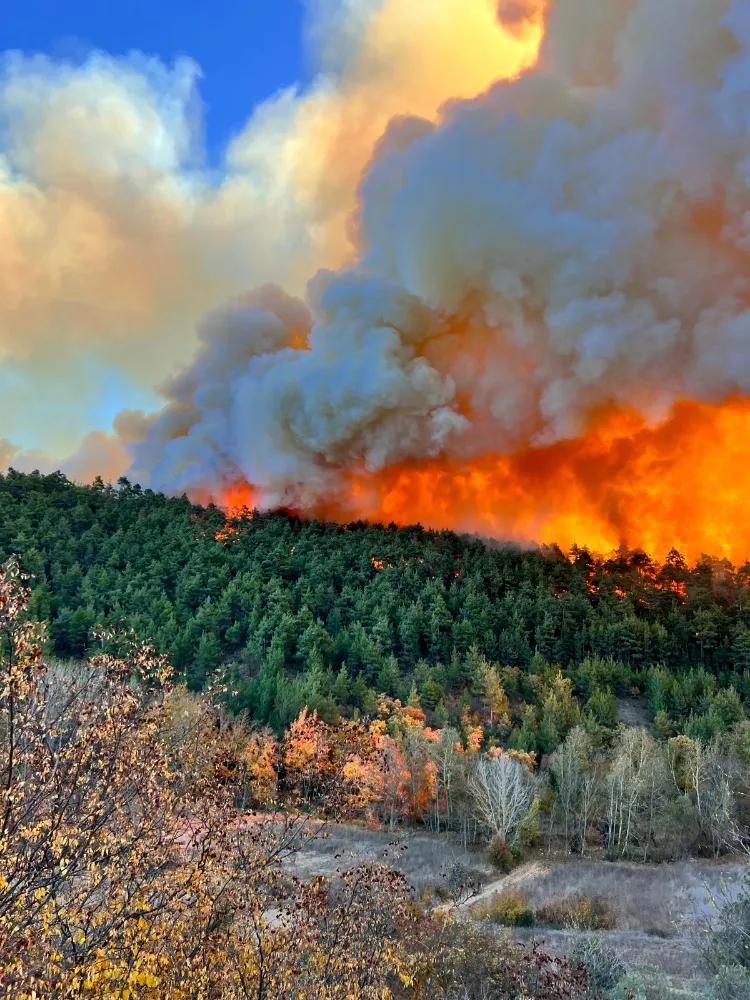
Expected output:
(683, 484)
(238, 501)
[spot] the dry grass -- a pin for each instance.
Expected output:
(650, 903)
(654, 907)
(424, 860)
(644, 898)
(673, 956)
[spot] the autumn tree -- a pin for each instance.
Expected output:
(127, 870)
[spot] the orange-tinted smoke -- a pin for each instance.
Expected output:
(683, 484)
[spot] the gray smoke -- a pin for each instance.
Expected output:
(576, 238)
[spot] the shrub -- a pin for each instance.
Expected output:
(601, 961)
(460, 883)
(645, 983)
(473, 964)
(728, 945)
(499, 854)
(586, 913)
(509, 908)
(731, 983)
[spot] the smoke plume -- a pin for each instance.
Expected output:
(115, 234)
(528, 305)
(534, 263)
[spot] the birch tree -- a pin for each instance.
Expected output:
(575, 772)
(567, 774)
(630, 786)
(709, 774)
(446, 756)
(502, 792)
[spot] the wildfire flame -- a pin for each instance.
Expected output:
(542, 331)
(238, 501)
(684, 483)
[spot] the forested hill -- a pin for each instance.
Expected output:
(330, 615)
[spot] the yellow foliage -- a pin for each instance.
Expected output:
(126, 869)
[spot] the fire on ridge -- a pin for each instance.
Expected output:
(541, 330)
(683, 483)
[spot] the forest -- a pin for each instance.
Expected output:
(188, 695)
(303, 613)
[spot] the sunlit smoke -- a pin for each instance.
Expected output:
(528, 311)
(116, 236)
(546, 333)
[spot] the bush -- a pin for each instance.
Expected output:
(601, 961)
(583, 912)
(646, 983)
(509, 908)
(460, 883)
(473, 964)
(728, 945)
(731, 983)
(500, 854)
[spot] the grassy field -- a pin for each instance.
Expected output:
(423, 859)
(656, 907)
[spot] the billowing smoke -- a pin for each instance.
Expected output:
(116, 236)
(255, 407)
(568, 242)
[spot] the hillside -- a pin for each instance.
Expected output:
(334, 615)
(472, 708)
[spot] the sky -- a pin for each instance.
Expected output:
(246, 49)
(159, 161)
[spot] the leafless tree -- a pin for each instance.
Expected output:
(567, 771)
(711, 780)
(502, 791)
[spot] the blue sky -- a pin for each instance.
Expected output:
(247, 49)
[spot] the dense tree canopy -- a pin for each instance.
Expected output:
(303, 612)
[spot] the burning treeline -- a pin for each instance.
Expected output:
(541, 329)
